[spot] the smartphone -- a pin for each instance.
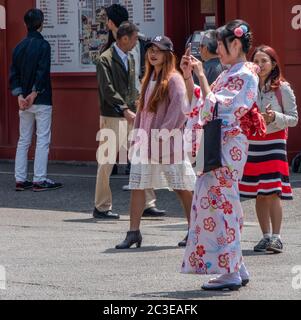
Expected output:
(188, 51)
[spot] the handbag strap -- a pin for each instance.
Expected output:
(215, 112)
(279, 98)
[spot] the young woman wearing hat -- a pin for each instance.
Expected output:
(214, 241)
(162, 101)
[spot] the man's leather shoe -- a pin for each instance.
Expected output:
(153, 212)
(105, 215)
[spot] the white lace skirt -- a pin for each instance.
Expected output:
(162, 176)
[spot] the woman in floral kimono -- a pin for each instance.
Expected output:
(213, 245)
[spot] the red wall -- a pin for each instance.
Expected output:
(76, 113)
(177, 23)
(271, 24)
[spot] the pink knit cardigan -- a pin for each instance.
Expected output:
(170, 112)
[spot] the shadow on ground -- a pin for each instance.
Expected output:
(78, 196)
(183, 295)
(142, 249)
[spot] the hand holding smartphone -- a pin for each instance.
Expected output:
(188, 50)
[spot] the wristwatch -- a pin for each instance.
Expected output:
(120, 109)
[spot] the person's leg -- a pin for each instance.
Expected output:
(186, 200)
(43, 116)
(136, 208)
(263, 207)
(276, 214)
(263, 213)
(150, 209)
(275, 245)
(150, 199)
(27, 120)
(103, 194)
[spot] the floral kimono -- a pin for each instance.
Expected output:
(213, 245)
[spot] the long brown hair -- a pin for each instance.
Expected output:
(161, 89)
(276, 76)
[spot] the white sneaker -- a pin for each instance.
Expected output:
(126, 188)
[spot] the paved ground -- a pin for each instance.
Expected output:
(51, 248)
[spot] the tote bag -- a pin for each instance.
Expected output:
(209, 156)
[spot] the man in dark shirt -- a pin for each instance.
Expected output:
(208, 46)
(30, 82)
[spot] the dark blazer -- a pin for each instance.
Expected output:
(116, 86)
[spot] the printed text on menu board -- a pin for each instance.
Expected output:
(76, 29)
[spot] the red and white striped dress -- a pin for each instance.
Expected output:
(267, 170)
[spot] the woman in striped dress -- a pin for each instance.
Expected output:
(266, 174)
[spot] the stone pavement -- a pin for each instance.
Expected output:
(51, 248)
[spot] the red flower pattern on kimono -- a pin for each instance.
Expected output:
(225, 177)
(236, 154)
(230, 235)
(193, 260)
(216, 198)
(202, 267)
(194, 113)
(205, 203)
(242, 111)
(200, 251)
(231, 134)
(224, 261)
(250, 95)
(216, 191)
(235, 84)
(197, 126)
(227, 206)
(221, 241)
(209, 224)
(228, 102)
(198, 229)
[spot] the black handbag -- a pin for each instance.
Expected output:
(212, 143)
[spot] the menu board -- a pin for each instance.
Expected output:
(76, 29)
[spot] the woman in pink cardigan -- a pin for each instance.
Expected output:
(158, 162)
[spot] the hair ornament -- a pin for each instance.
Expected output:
(244, 28)
(240, 31)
